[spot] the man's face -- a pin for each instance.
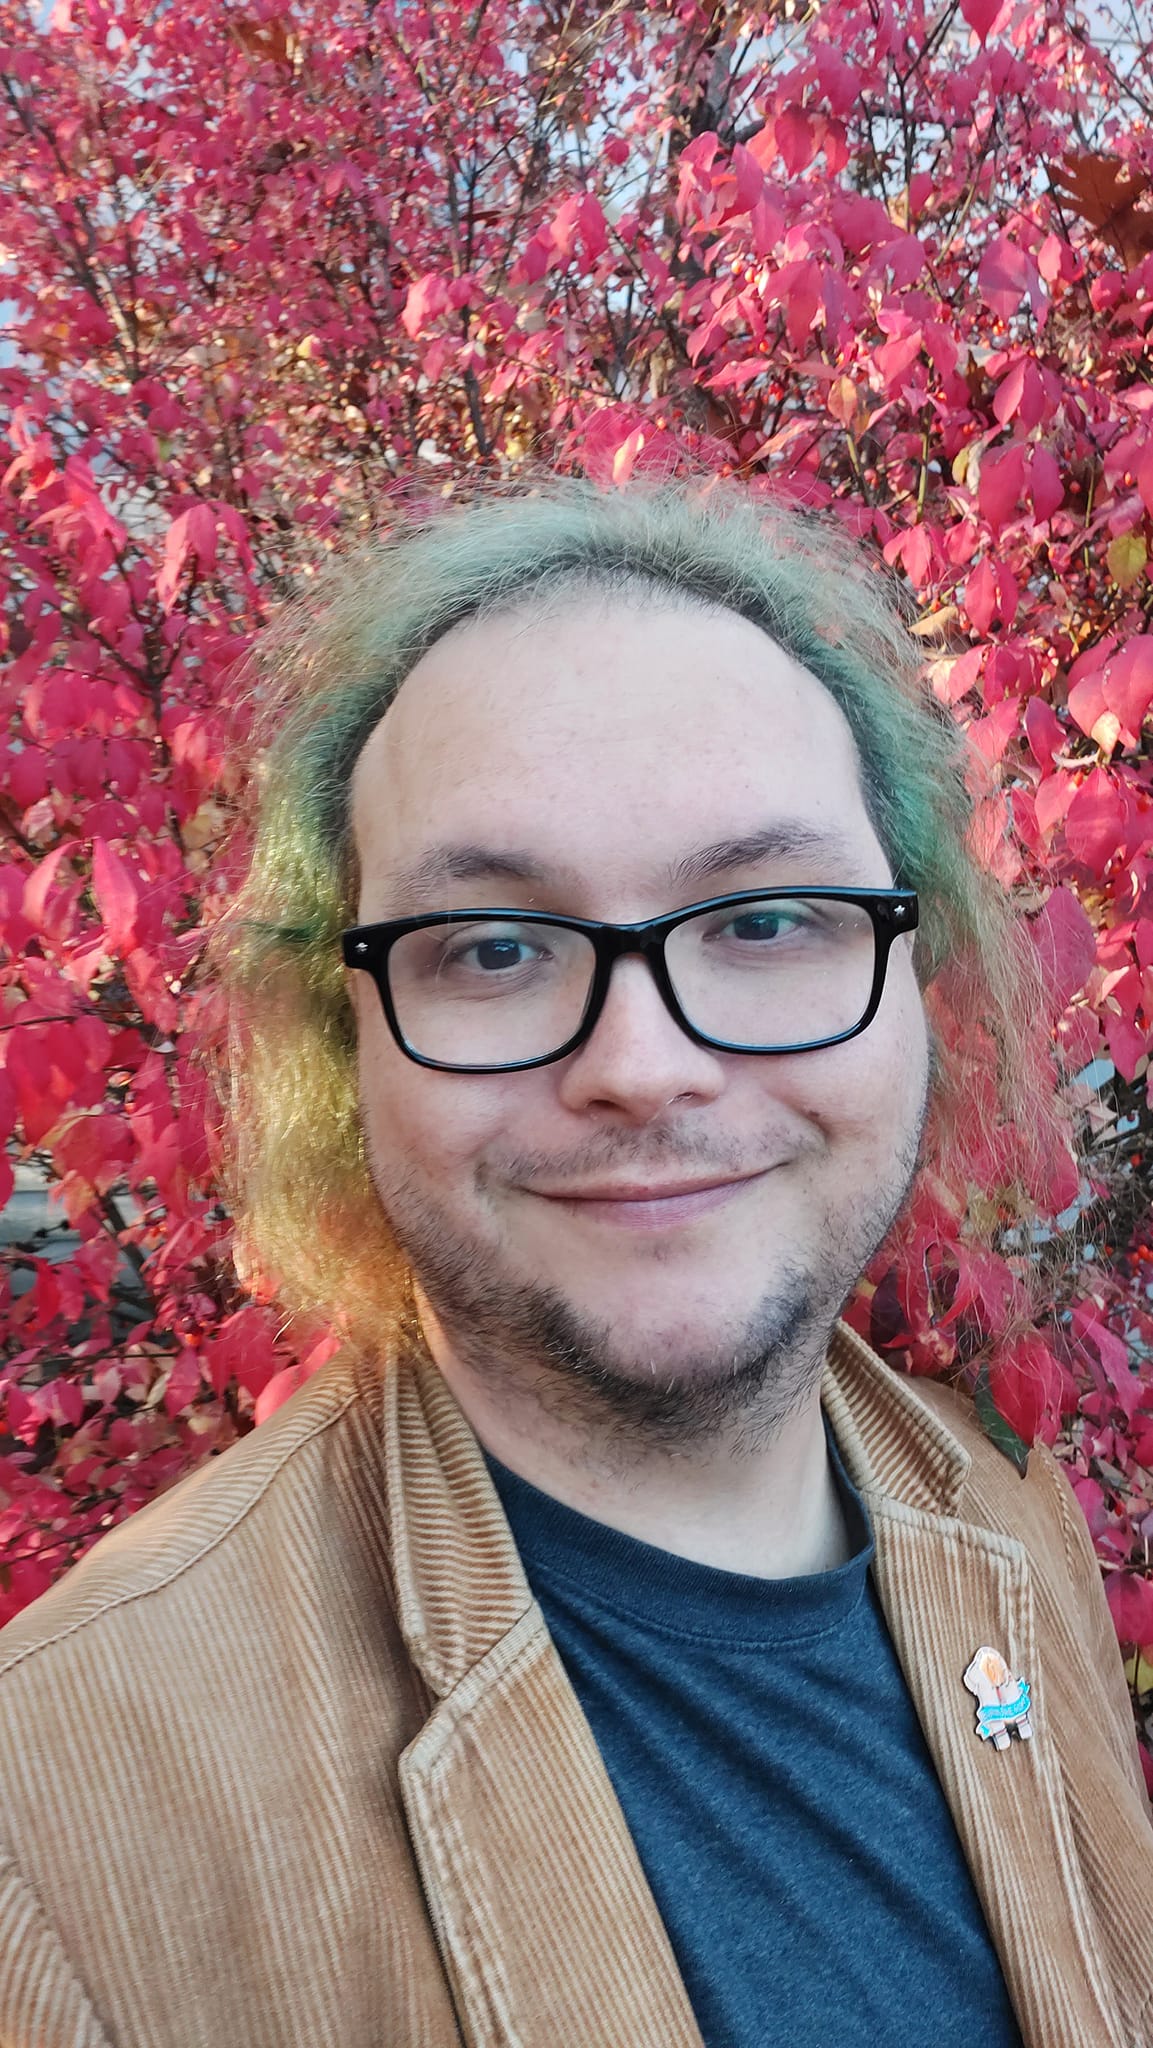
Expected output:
(605, 745)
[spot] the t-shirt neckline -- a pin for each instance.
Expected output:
(656, 1589)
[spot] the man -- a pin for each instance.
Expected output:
(582, 1656)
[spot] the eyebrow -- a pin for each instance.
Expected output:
(787, 839)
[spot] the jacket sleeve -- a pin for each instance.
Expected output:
(42, 2005)
(1096, 1620)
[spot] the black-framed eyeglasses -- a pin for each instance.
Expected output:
(489, 991)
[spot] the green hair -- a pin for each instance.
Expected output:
(308, 1222)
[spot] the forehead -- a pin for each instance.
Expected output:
(606, 739)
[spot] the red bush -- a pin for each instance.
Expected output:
(266, 263)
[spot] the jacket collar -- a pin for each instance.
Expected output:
(459, 1582)
(891, 1443)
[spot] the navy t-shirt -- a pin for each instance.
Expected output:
(769, 1762)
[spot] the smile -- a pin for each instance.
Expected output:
(640, 1207)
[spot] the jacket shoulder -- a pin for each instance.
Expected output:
(201, 1728)
(178, 1536)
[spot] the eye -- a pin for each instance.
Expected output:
(764, 922)
(494, 954)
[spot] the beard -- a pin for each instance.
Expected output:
(524, 1338)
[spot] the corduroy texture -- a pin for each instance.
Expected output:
(290, 1759)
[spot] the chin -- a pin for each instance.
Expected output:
(648, 1330)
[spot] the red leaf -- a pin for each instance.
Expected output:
(748, 177)
(242, 1349)
(21, 1416)
(1044, 483)
(794, 138)
(1000, 485)
(733, 375)
(917, 555)
(1027, 1388)
(26, 775)
(533, 262)
(1128, 682)
(96, 1147)
(1128, 1044)
(1096, 822)
(1043, 730)
(625, 458)
(66, 1403)
(594, 233)
(802, 299)
(990, 592)
(981, 15)
(581, 219)
(1130, 1600)
(1087, 696)
(1066, 945)
(39, 884)
(1006, 275)
(958, 675)
(191, 534)
(992, 734)
(286, 1383)
(1021, 395)
(426, 298)
(117, 896)
(893, 358)
(46, 1064)
(835, 144)
(184, 1382)
(1052, 801)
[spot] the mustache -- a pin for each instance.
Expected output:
(640, 1152)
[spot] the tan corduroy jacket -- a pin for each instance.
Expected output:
(290, 1759)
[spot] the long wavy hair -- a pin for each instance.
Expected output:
(309, 1227)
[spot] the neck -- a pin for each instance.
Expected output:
(764, 1504)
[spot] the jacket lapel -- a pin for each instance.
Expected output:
(947, 1587)
(546, 1924)
(543, 1913)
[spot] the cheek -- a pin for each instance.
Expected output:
(893, 1075)
(434, 1127)
(866, 1096)
(904, 1036)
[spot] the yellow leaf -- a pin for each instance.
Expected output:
(842, 400)
(1126, 557)
(934, 622)
(984, 1214)
(1107, 732)
(204, 826)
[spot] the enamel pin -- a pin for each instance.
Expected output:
(1002, 1700)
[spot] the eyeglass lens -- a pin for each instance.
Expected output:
(496, 991)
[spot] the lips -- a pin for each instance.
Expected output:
(649, 1206)
(640, 1191)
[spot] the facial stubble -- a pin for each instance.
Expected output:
(527, 1340)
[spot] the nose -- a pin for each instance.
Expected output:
(637, 1059)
